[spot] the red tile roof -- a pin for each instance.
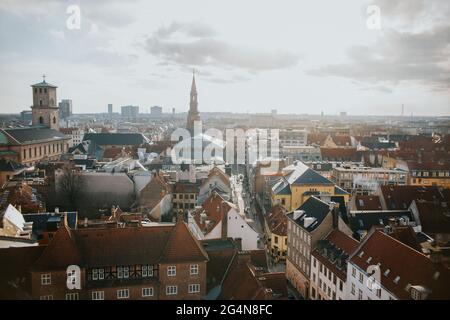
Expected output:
(277, 220)
(343, 242)
(367, 203)
(182, 246)
(400, 197)
(214, 208)
(434, 216)
(407, 267)
(93, 247)
(244, 281)
(339, 153)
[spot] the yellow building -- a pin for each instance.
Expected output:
(276, 232)
(300, 183)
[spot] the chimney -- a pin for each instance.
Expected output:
(238, 242)
(224, 213)
(244, 257)
(334, 208)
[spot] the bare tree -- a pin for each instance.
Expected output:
(71, 185)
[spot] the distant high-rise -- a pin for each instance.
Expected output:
(44, 109)
(65, 108)
(156, 111)
(110, 108)
(130, 112)
(193, 114)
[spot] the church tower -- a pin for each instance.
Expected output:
(193, 114)
(45, 111)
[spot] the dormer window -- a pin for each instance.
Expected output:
(361, 254)
(370, 259)
(386, 273)
(397, 279)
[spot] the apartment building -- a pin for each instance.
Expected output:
(154, 262)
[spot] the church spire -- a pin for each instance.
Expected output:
(193, 114)
(193, 86)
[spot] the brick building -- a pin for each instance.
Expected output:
(154, 262)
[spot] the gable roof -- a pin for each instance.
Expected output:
(365, 220)
(367, 202)
(95, 247)
(407, 267)
(315, 211)
(434, 216)
(10, 166)
(277, 220)
(29, 135)
(182, 246)
(343, 245)
(244, 281)
(401, 197)
(213, 208)
(302, 174)
(116, 139)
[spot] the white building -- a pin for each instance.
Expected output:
(397, 272)
(218, 218)
(329, 266)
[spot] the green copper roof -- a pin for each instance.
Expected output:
(43, 84)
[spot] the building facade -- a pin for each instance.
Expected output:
(156, 262)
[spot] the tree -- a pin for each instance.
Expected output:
(71, 185)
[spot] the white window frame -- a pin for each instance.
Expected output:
(148, 292)
(194, 288)
(121, 295)
(171, 271)
(193, 269)
(98, 295)
(46, 297)
(171, 290)
(147, 271)
(46, 279)
(72, 296)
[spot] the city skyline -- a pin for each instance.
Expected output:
(296, 58)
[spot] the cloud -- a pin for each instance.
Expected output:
(58, 34)
(421, 57)
(196, 44)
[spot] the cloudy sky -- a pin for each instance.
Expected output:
(251, 56)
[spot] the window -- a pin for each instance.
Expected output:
(353, 289)
(361, 277)
(123, 272)
(313, 292)
(171, 290)
(48, 297)
(334, 279)
(175, 195)
(379, 293)
(341, 285)
(314, 262)
(276, 240)
(194, 288)
(354, 272)
(72, 296)
(194, 269)
(46, 279)
(98, 295)
(98, 274)
(123, 294)
(147, 271)
(359, 294)
(334, 295)
(171, 271)
(147, 292)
